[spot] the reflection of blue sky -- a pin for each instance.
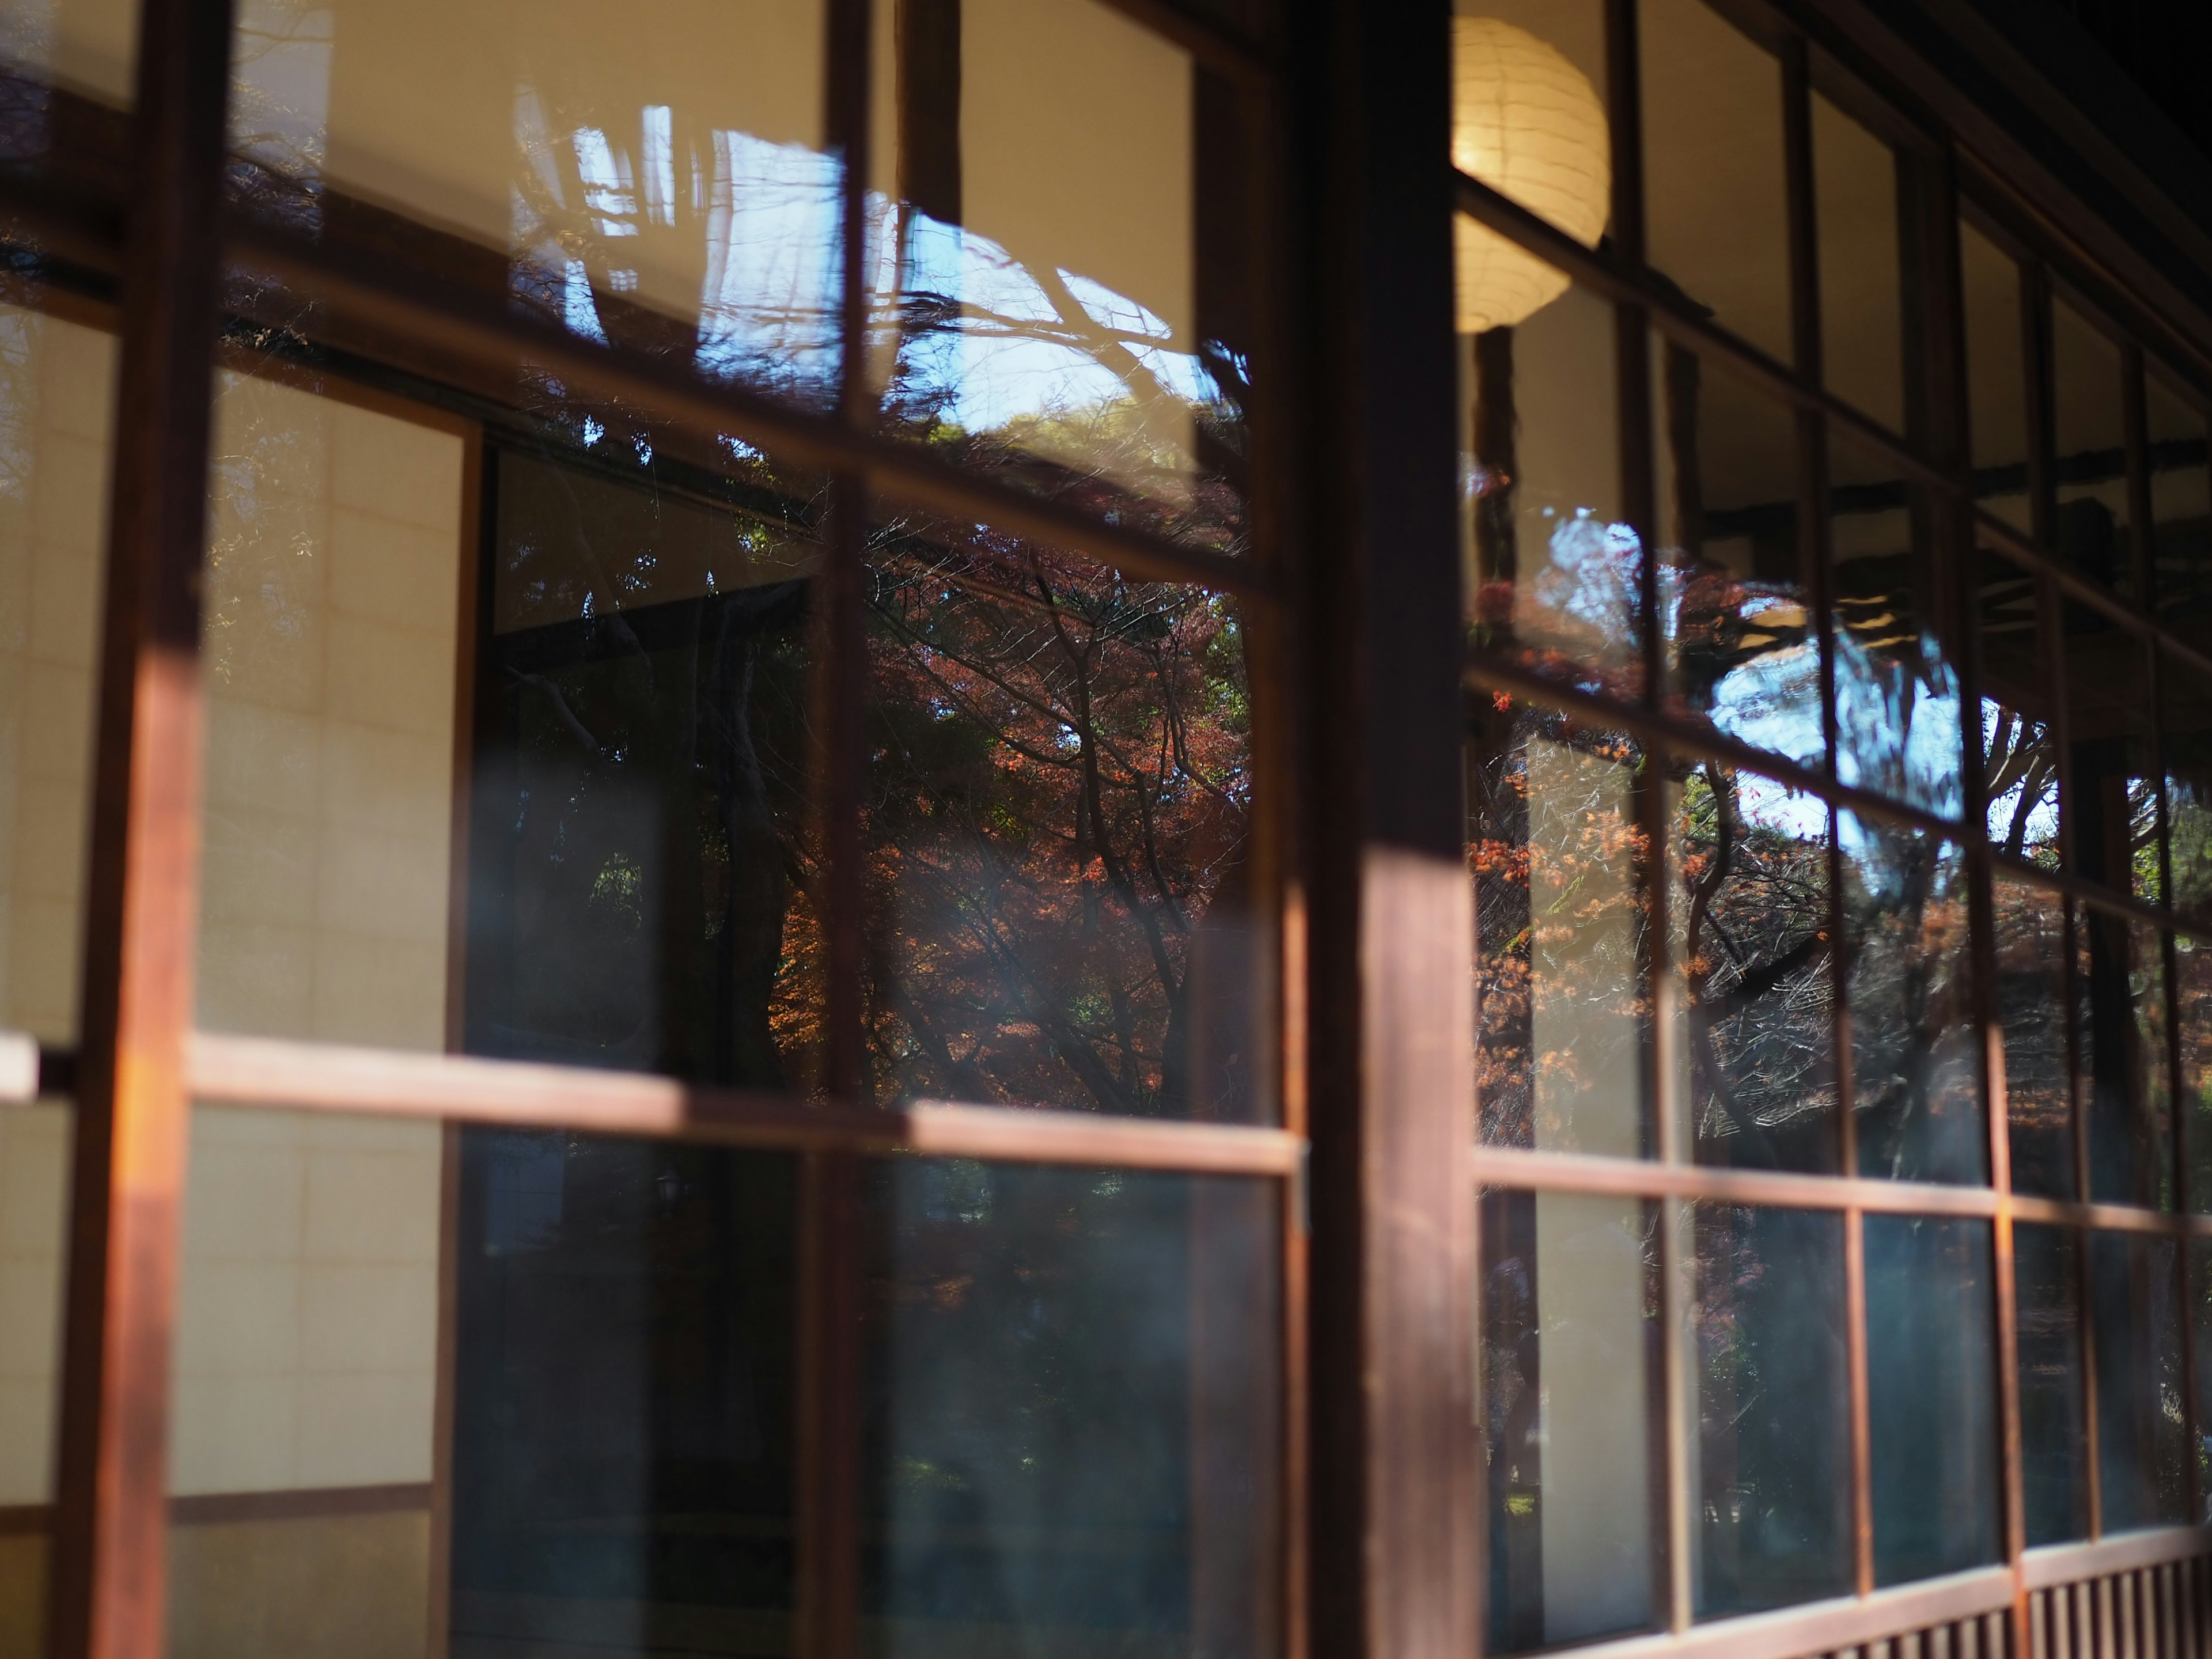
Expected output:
(1898, 722)
(1016, 354)
(1766, 805)
(2042, 826)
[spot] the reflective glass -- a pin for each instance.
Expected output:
(2112, 802)
(2192, 1014)
(1058, 845)
(665, 184)
(2089, 470)
(1561, 932)
(1715, 195)
(56, 407)
(642, 889)
(1735, 597)
(2053, 1443)
(2180, 503)
(1570, 1349)
(34, 1170)
(1997, 377)
(2200, 1340)
(2184, 742)
(1855, 192)
(1772, 1450)
(624, 1363)
(303, 1464)
(1897, 691)
(1749, 908)
(57, 390)
(1554, 579)
(333, 641)
(605, 1325)
(2142, 1449)
(2119, 1019)
(1063, 254)
(1072, 1430)
(2030, 926)
(1932, 1404)
(2020, 742)
(1915, 1083)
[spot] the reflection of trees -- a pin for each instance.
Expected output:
(1755, 946)
(1561, 929)
(1057, 830)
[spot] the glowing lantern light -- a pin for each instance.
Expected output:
(1527, 123)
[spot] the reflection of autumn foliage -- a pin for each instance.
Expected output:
(2031, 1007)
(2192, 1006)
(1755, 943)
(1556, 857)
(1056, 826)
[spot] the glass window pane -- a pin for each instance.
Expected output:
(2020, 742)
(2119, 987)
(1749, 908)
(1714, 194)
(641, 887)
(332, 646)
(2053, 1443)
(2185, 720)
(665, 185)
(2180, 504)
(2192, 1013)
(1554, 579)
(2112, 802)
(618, 1371)
(1059, 839)
(57, 408)
(2089, 468)
(57, 400)
(1570, 1348)
(1931, 1369)
(1915, 1084)
(1897, 693)
(624, 1367)
(2200, 1338)
(35, 1172)
(303, 1464)
(1997, 377)
(1561, 933)
(2031, 1011)
(1772, 1450)
(1063, 256)
(82, 49)
(1855, 190)
(1736, 597)
(1528, 119)
(2141, 1455)
(1073, 1425)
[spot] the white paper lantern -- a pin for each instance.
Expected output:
(1527, 123)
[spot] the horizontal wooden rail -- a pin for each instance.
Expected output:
(2065, 1564)
(328, 1078)
(1629, 1178)
(1825, 1627)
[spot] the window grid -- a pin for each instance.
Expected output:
(1934, 457)
(140, 1064)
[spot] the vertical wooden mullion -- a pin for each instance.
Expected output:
(109, 1582)
(828, 1463)
(1394, 1481)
